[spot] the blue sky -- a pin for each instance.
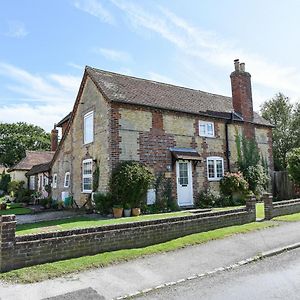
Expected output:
(44, 46)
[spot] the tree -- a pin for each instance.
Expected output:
(16, 138)
(293, 159)
(286, 119)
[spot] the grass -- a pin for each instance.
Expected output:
(289, 218)
(16, 209)
(60, 268)
(84, 222)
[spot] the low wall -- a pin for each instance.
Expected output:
(20, 251)
(280, 208)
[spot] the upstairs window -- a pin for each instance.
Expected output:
(215, 168)
(87, 176)
(206, 129)
(67, 180)
(54, 181)
(88, 128)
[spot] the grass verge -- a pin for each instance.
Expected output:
(60, 268)
(289, 218)
(84, 222)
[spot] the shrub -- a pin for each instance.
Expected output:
(257, 179)
(129, 183)
(293, 167)
(46, 202)
(233, 182)
(207, 199)
(4, 181)
(103, 202)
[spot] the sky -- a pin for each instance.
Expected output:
(45, 46)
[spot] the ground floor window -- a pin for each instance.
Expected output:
(215, 168)
(87, 176)
(32, 183)
(67, 180)
(54, 181)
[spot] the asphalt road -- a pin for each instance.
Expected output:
(276, 277)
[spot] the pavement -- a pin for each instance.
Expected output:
(154, 271)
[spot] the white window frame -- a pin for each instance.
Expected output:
(206, 134)
(54, 181)
(88, 116)
(67, 182)
(215, 159)
(87, 161)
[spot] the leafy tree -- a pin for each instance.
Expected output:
(286, 135)
(293, 159)
(4, 181)
(16, 138)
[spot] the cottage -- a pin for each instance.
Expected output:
(184, 134)
(32, 158)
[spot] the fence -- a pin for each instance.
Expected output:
(283, 186)
(20, 251)
(279, 208)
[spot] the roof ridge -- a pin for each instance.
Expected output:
(154, 81)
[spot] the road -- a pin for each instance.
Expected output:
(276, 277)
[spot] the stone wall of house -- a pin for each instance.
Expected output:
(73, 150)
(20, 251)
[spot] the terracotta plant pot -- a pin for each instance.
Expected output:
(136, 211)
(3, 206)
(118, 212)
(127, 212)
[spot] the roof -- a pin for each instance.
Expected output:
(41, 168)
(64, 120)
(185, 153)
(132, 90)
(33, 158)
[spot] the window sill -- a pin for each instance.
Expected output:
(214, 179)
(87, 192)
(207, 136)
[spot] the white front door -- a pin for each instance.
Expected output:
(184, 183)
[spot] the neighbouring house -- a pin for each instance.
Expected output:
(184, 134)
(32, 158)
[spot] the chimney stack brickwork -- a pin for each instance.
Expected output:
(54, 139)
(242, 96)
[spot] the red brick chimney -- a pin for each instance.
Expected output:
(54, 138)
(241, 91)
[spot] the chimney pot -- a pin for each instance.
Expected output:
(242, 67)
(237, 64)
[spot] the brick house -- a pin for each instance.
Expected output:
(186, 135)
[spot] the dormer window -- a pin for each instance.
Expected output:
(206, 129)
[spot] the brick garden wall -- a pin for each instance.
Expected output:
(279, 208)
(20, 251)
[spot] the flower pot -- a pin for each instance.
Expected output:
(118, 212)
(3, 206)
(127, 212)
(136, 211)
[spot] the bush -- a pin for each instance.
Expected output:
(293, 167)
(207, 199)
(129, 183)
(103, 202)
(233, 182)
(4, 181)
(46, 202)
(257, 179)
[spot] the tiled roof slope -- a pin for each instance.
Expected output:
(39, 169)
(132, 90)
(33, 158)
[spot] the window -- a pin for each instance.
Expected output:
(206, 129)
(88, 128)
(215, 168)
(87, 175)
(45, 180)
(67, 180)
(32, 183)
(54, 181)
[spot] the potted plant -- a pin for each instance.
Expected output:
(118, 211)
(127, 210)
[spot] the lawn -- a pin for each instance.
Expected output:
(60, 268)
(289, 218)
(84, 222)
(15, 209)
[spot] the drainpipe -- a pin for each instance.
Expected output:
(227, 141)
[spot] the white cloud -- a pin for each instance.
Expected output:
(51, 96)
(196, 44)
(75, 66)
(114, 55)
(16, 29)
(96, 9)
